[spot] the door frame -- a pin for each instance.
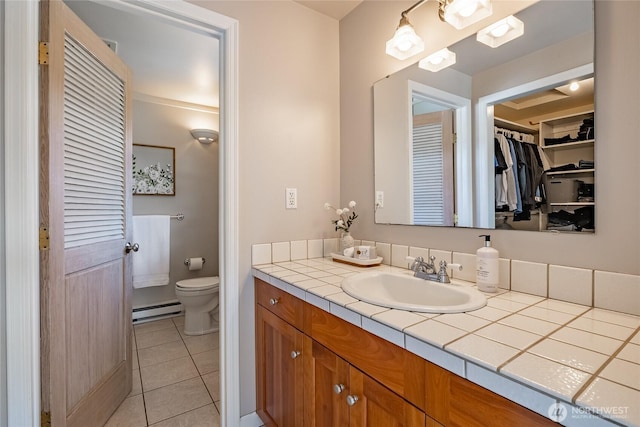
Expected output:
(21, 247)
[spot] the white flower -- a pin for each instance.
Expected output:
(346, 216)
(154, 174)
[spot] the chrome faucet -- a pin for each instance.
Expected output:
(427, 270)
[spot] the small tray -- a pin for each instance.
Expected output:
(356, 261)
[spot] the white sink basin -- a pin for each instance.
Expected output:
(403, 291)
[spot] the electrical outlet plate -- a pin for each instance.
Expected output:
(291, 198)
(380, 199)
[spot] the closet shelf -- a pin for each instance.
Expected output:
(569, 145)
(573, 204)
(572, 171)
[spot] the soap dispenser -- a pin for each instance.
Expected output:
(487, 268)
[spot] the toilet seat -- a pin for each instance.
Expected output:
(198, 283)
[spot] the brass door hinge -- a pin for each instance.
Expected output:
(455, 137)
(44, 238)
(45, 419)
(43, 53)
(455, 218)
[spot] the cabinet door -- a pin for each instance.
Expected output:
(326, 378)
(279, 370)
(375, 405)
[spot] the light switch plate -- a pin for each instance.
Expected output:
(291, 198)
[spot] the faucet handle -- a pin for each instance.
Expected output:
(453, 266)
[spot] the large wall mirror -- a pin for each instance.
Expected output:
(523, 92)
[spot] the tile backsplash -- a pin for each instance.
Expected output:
(602, 289)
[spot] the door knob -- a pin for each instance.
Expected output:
(295, 354)
(352, 399)
(129, 247)
(338, 388)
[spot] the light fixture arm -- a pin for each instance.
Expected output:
(406, 12)
(442, 5)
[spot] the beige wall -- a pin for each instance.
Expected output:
(289, 136)
(616, 244)
(196, 177)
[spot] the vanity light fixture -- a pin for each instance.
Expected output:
(438, 60)
(405, 42)
(462, 13)
(205, 136)
(501, 32)
(459, 13)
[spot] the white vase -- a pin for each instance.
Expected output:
(346, 241)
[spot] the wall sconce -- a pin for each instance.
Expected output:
(459, 13)
(205, 136)
(405, 42)
(438, 60)
(462, 13)
(501, 32)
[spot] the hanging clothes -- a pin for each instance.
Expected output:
(519, 167)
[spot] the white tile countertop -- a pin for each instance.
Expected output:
(572, 363)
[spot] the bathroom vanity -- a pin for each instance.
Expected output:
(314, 368)
(325, 357)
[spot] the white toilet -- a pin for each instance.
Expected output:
(200, 298)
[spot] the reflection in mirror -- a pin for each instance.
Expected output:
(556, 48)
(543, 140)
(415, 126)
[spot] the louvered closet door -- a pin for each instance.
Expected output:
(432, 169)
(85, 205)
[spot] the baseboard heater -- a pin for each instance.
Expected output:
(151, 312)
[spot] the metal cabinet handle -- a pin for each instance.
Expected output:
(352, 399)
(295, 354)
(274, 301)
(338, 388)
(129, 247)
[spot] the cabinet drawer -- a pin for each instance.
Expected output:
(392, 366)
(282, 304)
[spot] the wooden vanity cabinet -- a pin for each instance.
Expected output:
(279, 361)
(314, 369)
(339, 394)
(461, 403)
(279, 382)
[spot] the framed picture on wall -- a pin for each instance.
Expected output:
(153, 170)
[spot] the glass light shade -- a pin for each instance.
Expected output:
(501, 32)
(438, 60)
(462, 13)
(405, 43)
(205, 136)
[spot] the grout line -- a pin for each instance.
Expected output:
(182, 339)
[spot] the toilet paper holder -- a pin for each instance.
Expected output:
(187, 261)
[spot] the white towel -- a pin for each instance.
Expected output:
(151, 262)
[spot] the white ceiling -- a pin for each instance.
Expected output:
(337, 9)
(167, 61)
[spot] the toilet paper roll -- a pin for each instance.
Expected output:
(195, 264)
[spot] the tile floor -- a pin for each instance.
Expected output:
(176, 378)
